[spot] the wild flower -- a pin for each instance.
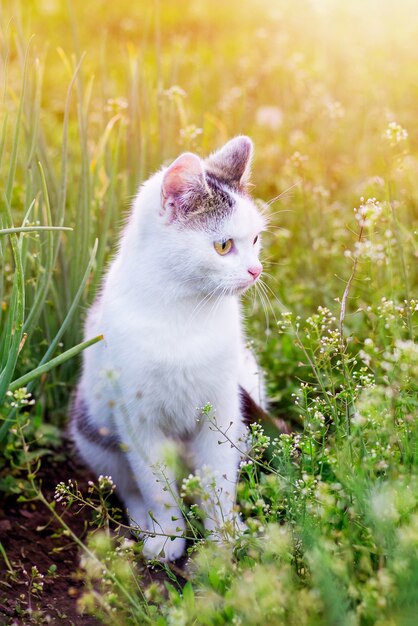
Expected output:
(106, 483)
(382, 504)
(405, 351)
(64, 491)
(320, 192)
(230, 97)
(366, 357)
(189, 133)
(207, 409)
(191, 486)
(334, 109)
(285, 323)
(298, 160)
(369, 212)
(175, 92)
(297, 137)
(322, 320)
(408, 535)
(36, 580)
(20, 398)
(116, 105)
(246, 463)
(395, 134)
(110, 374)
(367, 250)
(285, 446)
(257, 441)
(269, 116)
(363, 378)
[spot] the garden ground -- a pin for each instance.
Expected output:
(32, 537)
(327, 90)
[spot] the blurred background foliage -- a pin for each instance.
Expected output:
(327, 91)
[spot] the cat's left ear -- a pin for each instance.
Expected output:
(183, 183)
(232, 163)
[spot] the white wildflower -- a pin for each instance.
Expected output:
(369, 212)
(175, 93)
(395, 134)
(106, 482)
(269, 116)
(190, 132)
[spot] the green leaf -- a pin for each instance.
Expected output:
(43, 369)
(188, 594)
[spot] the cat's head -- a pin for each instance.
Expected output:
(211, 225)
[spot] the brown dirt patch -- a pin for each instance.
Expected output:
(31, 536)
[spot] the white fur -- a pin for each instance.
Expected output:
(170, 314)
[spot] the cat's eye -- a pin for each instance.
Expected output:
(223, 247)
(255, 240)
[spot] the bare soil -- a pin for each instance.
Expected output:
(31, 536)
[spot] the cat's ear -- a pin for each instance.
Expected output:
(183, 182)
(232, 162)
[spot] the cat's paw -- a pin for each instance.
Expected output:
(163, 548)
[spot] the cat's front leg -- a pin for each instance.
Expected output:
(217, 451)
(146, 449)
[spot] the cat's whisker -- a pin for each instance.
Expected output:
(270, 290)
(267, 286)
(279, 211)
(273, 230)
(218, 301)
(282, 194)
(268, 262)
(262, 288)
(254, 297)
(266, 291)
(263, 304)
(274, 264)
(270, 218)
(273, 278)
(214, 302)
(201, 303)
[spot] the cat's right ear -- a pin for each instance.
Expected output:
(183, 182)
(232, 162)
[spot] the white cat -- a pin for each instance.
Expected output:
(170, 313)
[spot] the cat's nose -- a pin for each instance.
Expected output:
(255, 271)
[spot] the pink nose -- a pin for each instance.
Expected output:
(255, 271)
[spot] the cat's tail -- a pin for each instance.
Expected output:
(252, 412)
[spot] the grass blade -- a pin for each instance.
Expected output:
(13, 156)
(58, 360)
(31, 229)
(17, 314)
(73, 307)
(43, 285)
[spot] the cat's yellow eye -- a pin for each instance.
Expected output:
(223, 247)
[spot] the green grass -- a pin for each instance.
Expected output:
(89, 107)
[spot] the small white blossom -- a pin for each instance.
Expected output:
(106, 482)
(395, 134)
(368, 212)
(269, 116)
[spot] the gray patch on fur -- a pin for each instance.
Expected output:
(205, 209)
(230, 164)
(100, 436)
